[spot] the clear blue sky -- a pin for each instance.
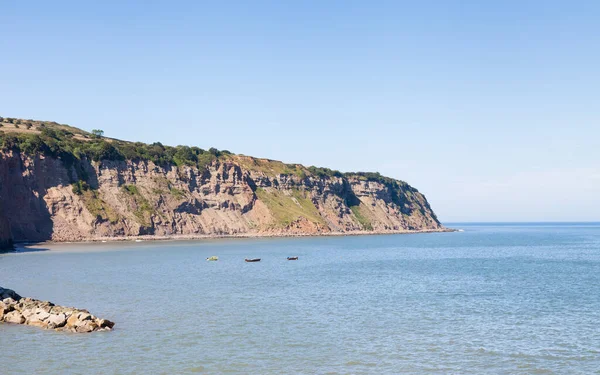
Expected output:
(491, 108)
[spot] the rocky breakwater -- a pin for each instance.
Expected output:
(18, 310)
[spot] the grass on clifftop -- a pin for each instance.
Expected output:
(71, 144)
(269, 167)
(287, 209)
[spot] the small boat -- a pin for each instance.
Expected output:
(213, 258)
(292, 258)
(252, 260)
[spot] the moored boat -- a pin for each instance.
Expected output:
(252, 260)
(292, 258)
(213, 258)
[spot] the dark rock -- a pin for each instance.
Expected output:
(8, 293)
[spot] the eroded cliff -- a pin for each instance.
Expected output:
(50, 198)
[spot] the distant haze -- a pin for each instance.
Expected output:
(491, 109)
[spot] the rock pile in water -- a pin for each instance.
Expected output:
(18, 310)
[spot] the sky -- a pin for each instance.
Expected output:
(489, 108)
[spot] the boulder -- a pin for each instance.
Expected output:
(106, 324)
(56, 321)
(84, 315)
(14, 317)
(77, 318)
(9, 301)
(26, 312)
(4, 309)
(86, 326)
(38, 318)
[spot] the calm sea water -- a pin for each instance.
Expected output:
(520, 299)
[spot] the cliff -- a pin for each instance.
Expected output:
(5, 232)
(83, 187)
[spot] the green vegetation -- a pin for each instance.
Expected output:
(276, 167)
(80, 187)
(324, 172)
(177, 194)
(287, 209)
(165, 187)
(97, 133)
(94, 204)
(377, 177)
(141, 207)
(70, 145)
(131, 190)
(362, 219)
(97, 207)
(269, 167)
(59, 144)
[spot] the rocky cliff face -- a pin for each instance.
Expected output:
(5, 232)
(46, 199)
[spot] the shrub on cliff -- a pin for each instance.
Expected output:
(324, 172)
(79, 187)
(104, 151)
(33, 144)
(185, 156)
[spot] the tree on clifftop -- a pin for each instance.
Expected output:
(97, 133)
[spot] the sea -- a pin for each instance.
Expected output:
(494, 298)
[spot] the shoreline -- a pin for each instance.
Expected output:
(188, 237)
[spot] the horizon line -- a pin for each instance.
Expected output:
(521, 222)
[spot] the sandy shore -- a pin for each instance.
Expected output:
(187, 237)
